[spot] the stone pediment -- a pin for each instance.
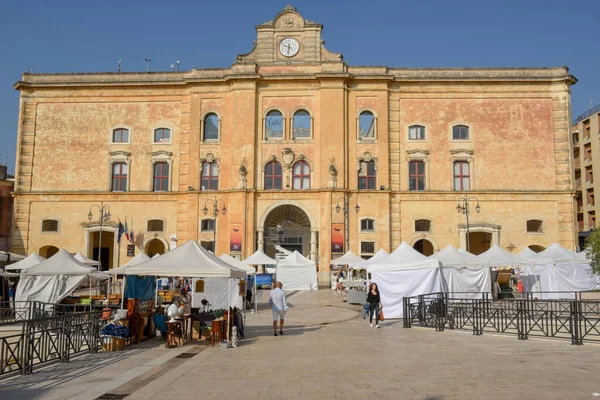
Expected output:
(288, 24)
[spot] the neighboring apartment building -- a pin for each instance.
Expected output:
(282, 138)
(586, 159)
(6, 206)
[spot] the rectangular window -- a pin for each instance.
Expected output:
(367, 247)
(416, 175)
(161, 177)
(210, 176)
(120, 135)
(367, 225)
(119, 177)
(367, 176)
(416, 132)
(462, 176)
(208, 225)
(534, 225)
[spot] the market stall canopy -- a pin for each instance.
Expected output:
(188, 260)
(556, 254)
(380, 255)
(237, 263)
(451, 257)
(156, 256)
(62, 263)
(297, 272)
(138, 259)
(260, 258)
(348, 259)
(28, 262)
(496, 256)
(527, 253)
(13, 257)
(404, 254)
(87, 261)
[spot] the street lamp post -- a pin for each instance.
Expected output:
(103, 216)
(346, 210)
(215, 212)
(463, 208)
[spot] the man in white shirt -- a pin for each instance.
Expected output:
(279, 306)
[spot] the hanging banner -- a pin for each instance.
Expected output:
(173, 241)
(337, 238)
(235, 237)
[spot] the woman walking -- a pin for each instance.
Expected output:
(374, 304)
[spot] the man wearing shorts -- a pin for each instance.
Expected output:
(279, 306)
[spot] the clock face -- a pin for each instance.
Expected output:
(289, 47)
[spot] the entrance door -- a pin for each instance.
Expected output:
(479, 242)
(104, 257)
(107, 247)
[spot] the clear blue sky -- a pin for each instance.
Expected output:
(86, 36)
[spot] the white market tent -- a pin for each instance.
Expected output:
(189, 260)
(87, 261)
(297, 272)
(138, 259)
(259, 258)
(404, 273)
(557, 269)
(13, 256)
(380, 255)
(29, 261)
(496, 256)
(51, 280)
(462, 273)
(527, 253)
(238, 264)
(348, 259)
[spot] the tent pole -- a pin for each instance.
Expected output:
(255, 294)
(228, 310)
(155, 291)
(123, 292)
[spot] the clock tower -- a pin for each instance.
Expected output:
(288, 39)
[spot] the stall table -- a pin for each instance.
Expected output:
(174, 334)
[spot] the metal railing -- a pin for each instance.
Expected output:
(529, 314)
(585, 115)
(46, 332)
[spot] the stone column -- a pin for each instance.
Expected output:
(313, 244)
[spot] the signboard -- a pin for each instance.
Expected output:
(337, 238)
(130, 250)
(235, 237)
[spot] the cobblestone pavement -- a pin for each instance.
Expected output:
(328, 351)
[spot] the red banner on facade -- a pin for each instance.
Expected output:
(337, 238)
(235, 238)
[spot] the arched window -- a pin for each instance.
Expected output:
(49, 225)
(424, 247)
(301, 125)
(161, 177)
(460, 132)
(162, 135)
(301, 176)
(367, 175)
(366, 125)
(156, 225)
(367, 225)
(535, 226)
(120, 135)
(273, 176)
(211, 127)
(210, 176)
(416, 132)
(422, 225)
(462, 175)
(274, 125)
(120, 171)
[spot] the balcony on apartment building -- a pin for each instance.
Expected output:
(587, 153)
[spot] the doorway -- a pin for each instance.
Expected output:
(424, 247)
(106, 249)
(479, 242)
(154, 247)
(48, 251)
(288, 227)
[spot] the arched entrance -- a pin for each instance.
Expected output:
(479, 242)
(289, 227)
(48, 251)
(155, 246)
(424, 247)
(537, 248)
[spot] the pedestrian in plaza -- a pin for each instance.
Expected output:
(375, 306)
(279, 307)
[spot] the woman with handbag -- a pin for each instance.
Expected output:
(375, 306)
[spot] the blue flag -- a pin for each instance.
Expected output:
(120, 232)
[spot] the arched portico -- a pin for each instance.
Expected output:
(289, 224)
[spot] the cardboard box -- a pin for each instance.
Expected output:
(196, 333)
(113, 343)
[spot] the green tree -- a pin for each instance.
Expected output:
(592, 249)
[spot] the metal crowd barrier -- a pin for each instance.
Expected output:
(529, 314)
(35, 333)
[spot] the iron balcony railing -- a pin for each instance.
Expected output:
(528, 314)
(585, 115)
(46, 332)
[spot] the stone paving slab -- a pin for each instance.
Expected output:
(330, 352)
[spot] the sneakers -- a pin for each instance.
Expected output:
(377, 326)
(275, 334)
(371, 325)
(281, 332)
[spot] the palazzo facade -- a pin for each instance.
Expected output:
(295, 148)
